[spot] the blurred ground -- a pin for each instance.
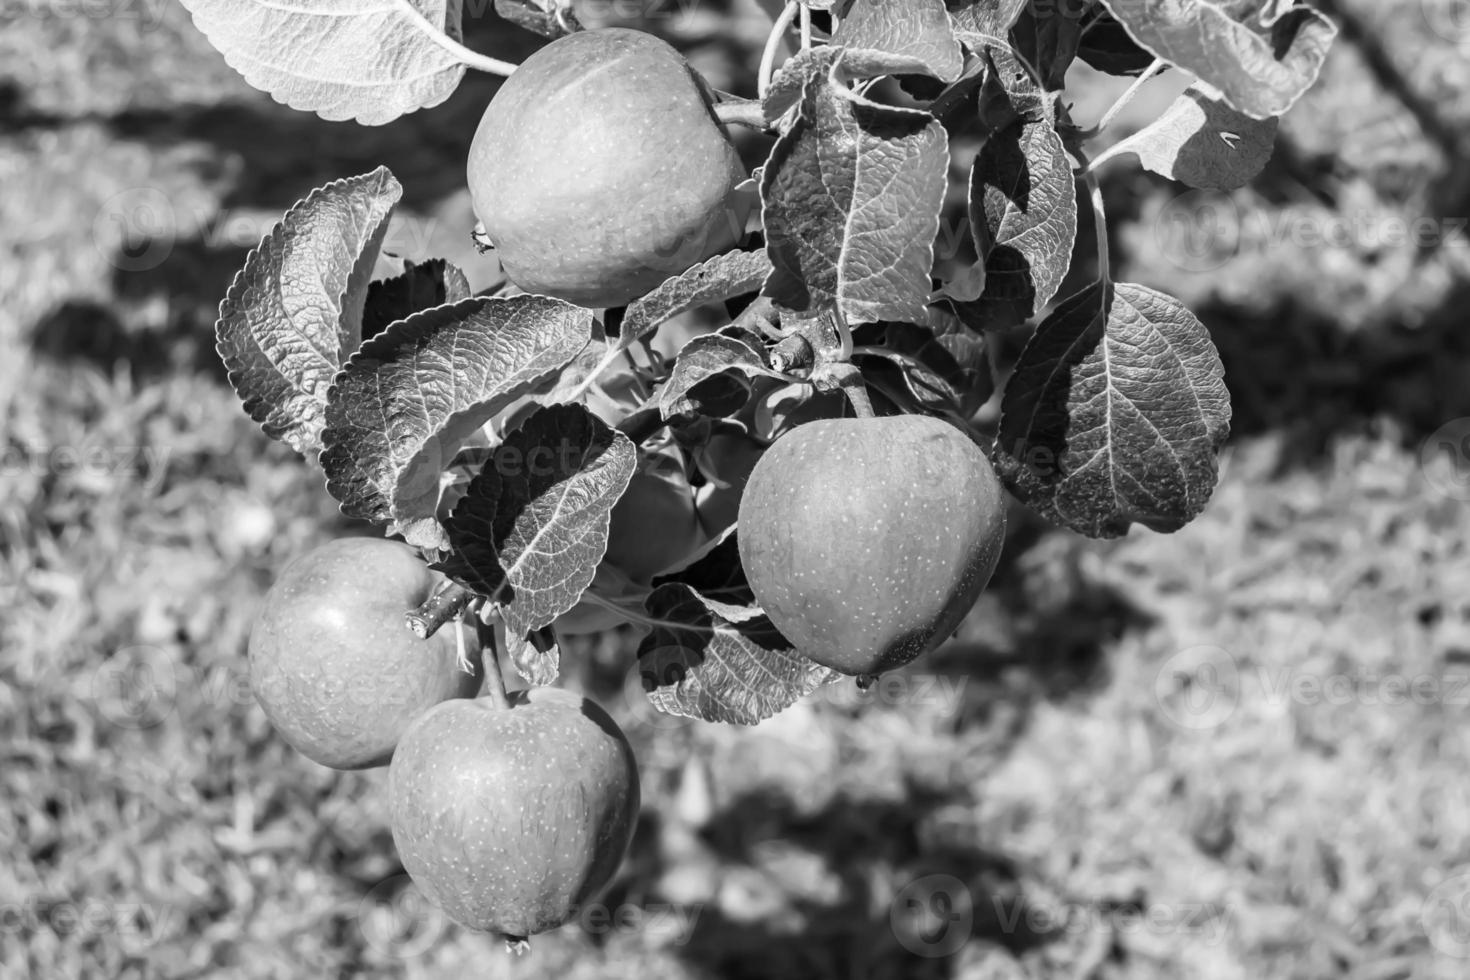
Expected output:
(1234, 752)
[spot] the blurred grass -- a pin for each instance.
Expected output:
(1166, 757)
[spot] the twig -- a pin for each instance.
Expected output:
(773, 43)
(438, 609)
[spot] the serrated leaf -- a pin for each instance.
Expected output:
(370, 60)
(712, 281)
(294, 312)
(1262, 68)
(916, 29)
(420, 286)
(409, 399)
(708, 359)
(991, 18)
(532, 526)
(535, 655)
(720, 662)
(1115, 414)
(1023, 215)
(1203, 142)
(851, 197)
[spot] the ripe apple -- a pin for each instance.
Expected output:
(866, 540)
(510, 818)
(333, 663)
(599, 169)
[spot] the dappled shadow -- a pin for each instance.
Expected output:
(1300, 374)
(886, 901)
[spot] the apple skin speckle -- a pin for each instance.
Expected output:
(511, 818)
(866, 541)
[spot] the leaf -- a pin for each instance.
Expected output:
(1107, 47)
(549, 18)
(712, 281)
(852, 195)
(1203, 142)
(792, 78)
(701, 380)
(975, 381)
(720, 662)
(419, 287)
(294, 312)
(994, 18)
(408, 400)
(915, 29)
(715, 572)
(1262, 68)
(530, 530)
(1023, 215)
(1048, 36)
(1115, 414)
(370, 60)
(929, 371)
(535, 655)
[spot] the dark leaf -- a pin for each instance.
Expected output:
(530, 530)
(720, 662)
(711, 281)
(1115, 414)
(418, 287)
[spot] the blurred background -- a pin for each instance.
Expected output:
(1239, 751)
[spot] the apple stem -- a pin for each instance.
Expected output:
(438, 609)
(473, 59)
(742, 112)
(845, 375)
(490, 652)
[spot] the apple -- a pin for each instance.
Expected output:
(333, 662)
(599, 169)
(866, 540)
(510, 818)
